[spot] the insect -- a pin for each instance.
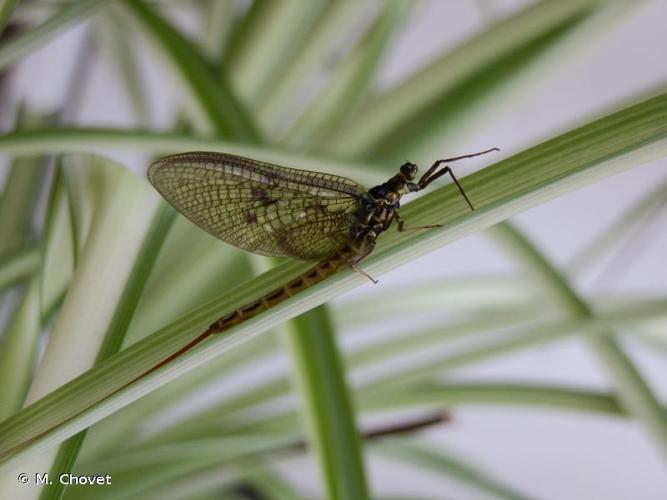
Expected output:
(280, 211)
(285, 212)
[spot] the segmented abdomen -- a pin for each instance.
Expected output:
(317, 273)
(331, 265)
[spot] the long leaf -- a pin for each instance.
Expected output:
(22, 44)
(438, 460)
(108, 258)
(6, 8)
(88, 140)
(405, 387)
(428, 395)
(651, 205)
(264, 43)
(323, 38)
(19, 266)
(633, 392)
(117, 330)
(502, 394)
(18, 351)
(606, 146)
(350, 82)
(119, 44)
(59, 244)
(17, 203)
(327, 405)
(392, 110)
(215, 101)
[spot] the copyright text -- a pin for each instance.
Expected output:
(67, 479)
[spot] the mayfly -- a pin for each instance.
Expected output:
(285, 212)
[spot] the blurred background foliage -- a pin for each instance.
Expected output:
(100, 279)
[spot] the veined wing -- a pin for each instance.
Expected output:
(259, 207)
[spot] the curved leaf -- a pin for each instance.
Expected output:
(15, 48)
(606, 146)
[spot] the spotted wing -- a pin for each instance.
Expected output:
(259, 207)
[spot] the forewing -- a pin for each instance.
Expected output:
(259, 207)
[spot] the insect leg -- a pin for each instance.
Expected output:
(430, 174)
(425, 181)
(366, 246)
(455, 158)
(361, 271)
(472, 155)
(401, 224)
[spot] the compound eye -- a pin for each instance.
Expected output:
(409, 170)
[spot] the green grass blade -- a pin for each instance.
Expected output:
(90, 140)
(216, 481)
(335, 18)
(214, 100)
(84, 315)
(62, 463)
(116, 332)
(650, 205)
(437, 460)
(17, 202)
(394, 108)
(271, 485)
(126, 423)
(287, 430)
(464, 296)
(494, 393)
(633, 392)
(500, 87)
(203, 424)
(59, 245)
(20, 45)
(431, 123)
(6, 8)
(174, 291)
(18, 351)
(19, 266)
(136, 281)
(263, 45)
(218, 19)
(601, 148)
(327, 405)
(178, 285)
(119, 45)
(82, 194)
(392, 389)
(421, 339)
(350, 82)
(518, 339)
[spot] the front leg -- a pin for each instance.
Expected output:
(432, 174)
(425, 181)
